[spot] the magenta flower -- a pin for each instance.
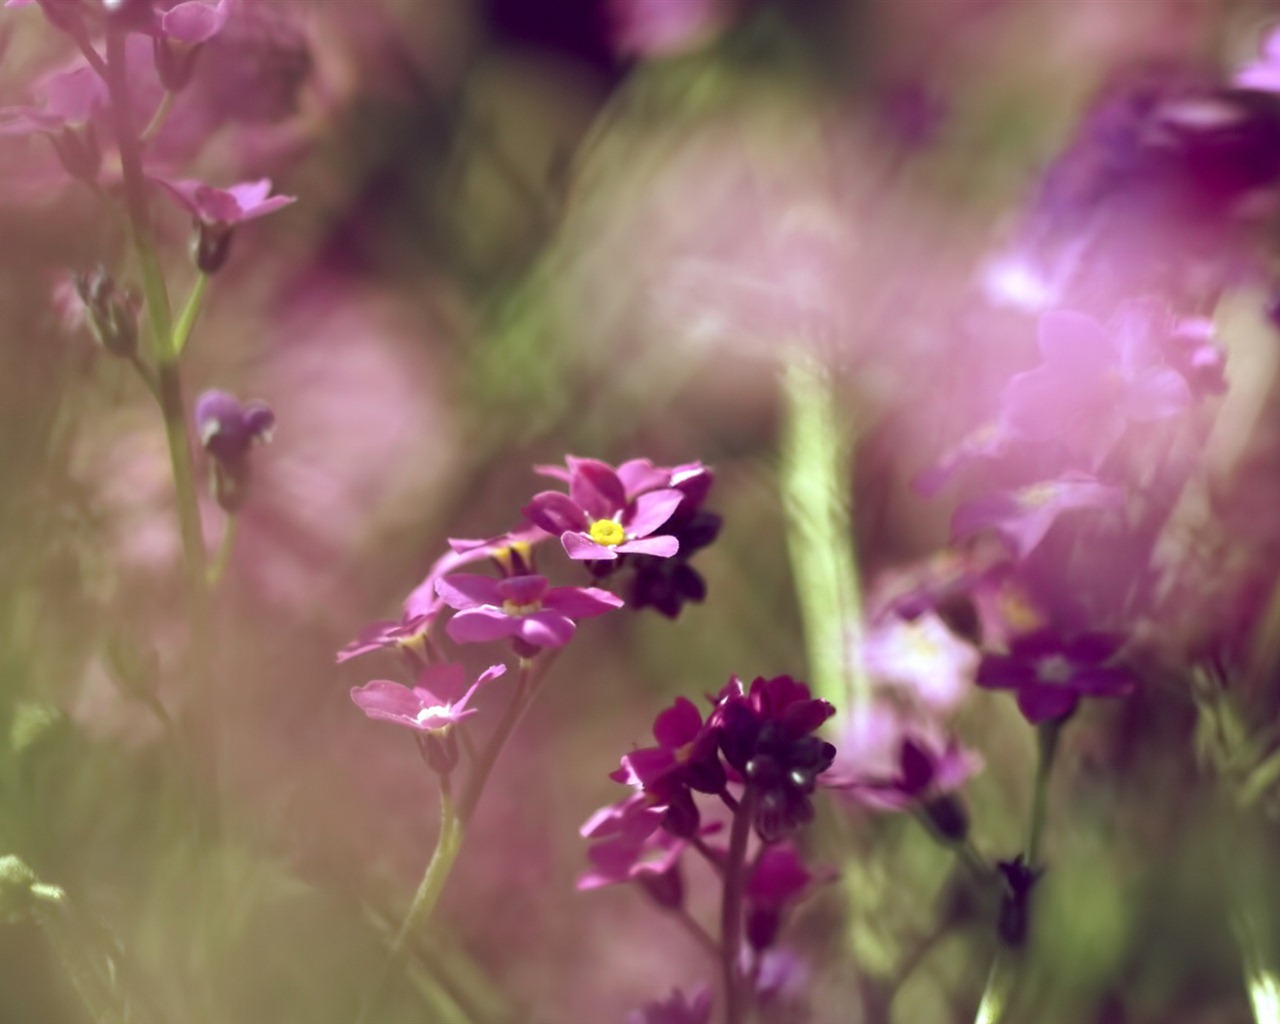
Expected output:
(1094, 381)
(1023, 516)
(511, 552)
(1050, 674)
(778, 881)
(218, 211)
(227, 430)
(604, 515)
(67, 104)
(525, 608)
(436, 701)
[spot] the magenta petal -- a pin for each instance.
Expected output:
(595, 487)
(1156, 394)
(555, 512)
(650, 511)
(661, 547)
(1074, 342)
(1000, 672)
(468, 590)
(640, 475)
(545, 629)
(581, 602)
(678, 724)
(1103, 681)
(580, 547)
(447, 681)
(194, 22)
(522, 591)
(387, 701)
(1039, 703)
(480, 625)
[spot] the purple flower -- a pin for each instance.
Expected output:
(1050, 673)
(68, 103)
(922, 657)
(778, 880)
(604, 515)
(1023, 516)
(435, 704)
(675, 1009)
(436, 701)
(766, 736)
(524, 608)
(218, 211)
(1093, 382)
(511, 552)
(228, 429)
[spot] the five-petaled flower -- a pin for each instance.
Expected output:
(608, 512)
(1050, 673)
(217, 211)
(436, 701)
(525, 608)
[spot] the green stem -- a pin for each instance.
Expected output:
(222, 557)
(1047, 735)
(187, 319)
(994, 995)
(1262, 982)
(731, 909)
(454, 820)
(817, 492)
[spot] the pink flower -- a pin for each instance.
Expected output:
(225, 207)
(526, 608)
(663, 28)
(435, 702)
(922, 657)
(1263, 75)
(610, 512)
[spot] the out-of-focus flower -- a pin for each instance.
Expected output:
(67, 104)
(511, 552)
(437, 700)
(227, 430)
(435, 703)
(664, 28)
(599, 519)
(218, 211)
(525, 608)
(1050, 673)
(1190, 349)
(1023, 516)
(778, 880)
(676, 1009)
(111, 315)
(1264, 73)
(766, 736)
(922, 657)
(1093, 382)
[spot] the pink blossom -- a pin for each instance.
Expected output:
(436, 701)
(524, 608)
(225, 207)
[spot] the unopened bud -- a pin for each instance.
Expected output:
(112, 316)
(210, 246)
(439, 750)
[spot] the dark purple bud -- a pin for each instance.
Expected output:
(946, 816)
(665, 888)
(763, 925)
(210, 246)
(682, 818)
(439, 750)
(1015, 908)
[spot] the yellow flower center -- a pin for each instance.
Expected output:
(509, 607)
(607, 532)
(513, 558)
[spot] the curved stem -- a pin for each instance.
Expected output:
(222, 557)
(731, 909)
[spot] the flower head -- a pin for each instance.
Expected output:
(922, 657)
(1050, 673)
(436, 701)
(218, 211)
(227, 430)
(779, 879)
(766, 736)
(525, 608)
(608, 512)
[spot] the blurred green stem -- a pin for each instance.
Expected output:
(817, 493)
(1000, 979)
(1263, 984)
(454, 820)
(222, 557)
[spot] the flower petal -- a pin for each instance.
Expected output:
(650, 511)
(545, 629)
(480, 625)
(468, 590)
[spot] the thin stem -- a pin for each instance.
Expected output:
(424, 900)
(453, 823)
(147, 375)
(994, 995)
(187, 318)
(158, 118)
(222, 557)
(817, 493)
(1047, 736)
(731, 909)
(700, 934)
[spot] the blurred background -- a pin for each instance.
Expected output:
(525, 230)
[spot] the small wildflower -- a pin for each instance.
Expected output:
(227, 430)
(766, 736)
(434, 704)
(922, 657)
(68, 104)
(779, 879)
(599, 519)
(525, 608)
(218, 211)
(1050, 673)
(676, 1009)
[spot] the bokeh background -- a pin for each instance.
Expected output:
(526, 229)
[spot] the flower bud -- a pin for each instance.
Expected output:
(210, 246)
(111, 315)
